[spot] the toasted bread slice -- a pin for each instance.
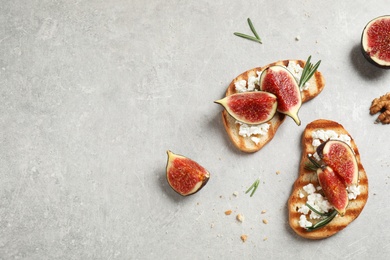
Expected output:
(306, 176)
(245, 143)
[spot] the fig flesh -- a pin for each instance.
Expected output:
(281, 82)
(184, 175)
(340, 157)
(250, 107)
(375, 41)
(334, 188)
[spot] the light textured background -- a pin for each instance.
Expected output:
(93, 93)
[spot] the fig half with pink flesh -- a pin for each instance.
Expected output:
(376, 41)
(250, 107)
(340, 157)
(184, 175)
(279, 81)
(334, 188)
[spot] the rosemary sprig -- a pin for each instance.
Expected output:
(323, 222)
(308, 71)
(256, 38)
(253, 187)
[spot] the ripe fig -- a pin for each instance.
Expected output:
(334, 188)
(279, 81)
(250, 107)
(184, 175)
(375, 41)
(340, 157)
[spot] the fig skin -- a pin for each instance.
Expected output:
(377, 61)
(187, 173)
(259, 106)
(341, 159)
(285, 104)
(334, 189)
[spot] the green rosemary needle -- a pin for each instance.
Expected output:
(253, 29)
(253, 187)
(247, 37)
(308, 72)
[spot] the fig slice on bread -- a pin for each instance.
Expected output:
(251, 138)
(327, 219)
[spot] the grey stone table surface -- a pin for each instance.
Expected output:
(93, 94)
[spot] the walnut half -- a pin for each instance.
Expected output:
(382, 105)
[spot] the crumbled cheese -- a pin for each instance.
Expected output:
(296, 70)
(309, 188)
(301, 195)
(240, 86)
(318, 202)
(353, 191)
(322, 135)
(255, 139)
(303, 222)
(249, 130)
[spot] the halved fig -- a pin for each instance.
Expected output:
(250, 107)
(334, 189)
(340, 157)
(280, 82)
(184, 175)
(376, 41)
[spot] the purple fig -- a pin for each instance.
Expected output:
(375, 41)
(250, 107)
(279, 81)
(184, 175)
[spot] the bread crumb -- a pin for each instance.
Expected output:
(265, 221)
(235, 193)
(297, 38)
(277, 172)
(263, 211)
(240, 217)
(244, 238)
(228, 212)
(265, 239)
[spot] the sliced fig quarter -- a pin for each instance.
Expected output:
(184, 175)
(250, 107)
(280, 82)
(375, 41)
(334, 189)
(340, 157)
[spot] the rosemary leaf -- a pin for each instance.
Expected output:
(323, 222)
(310, 167)
(247, 37)
(314, 162)
(253, 186)
(253, 29)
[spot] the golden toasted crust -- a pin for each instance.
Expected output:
(305, 177)
(245, 144)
